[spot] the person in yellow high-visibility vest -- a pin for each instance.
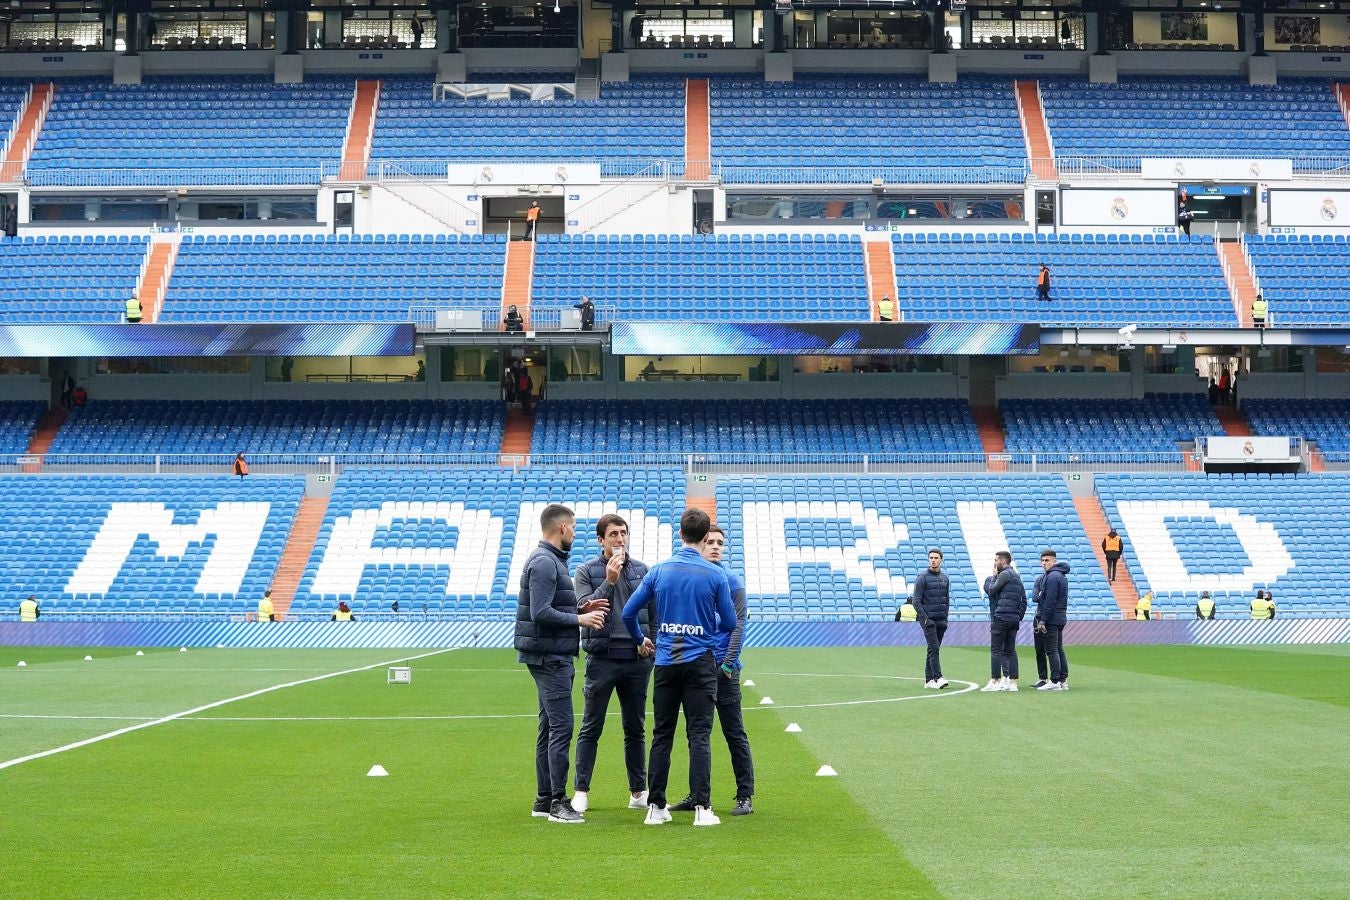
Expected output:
(265, 612)
(1143, 610)
(343, 614)
(1204, 607)
(886, 309)
(134, 309)
(1259, 310)
(29, 610)
(1262, 608)
(907, 613)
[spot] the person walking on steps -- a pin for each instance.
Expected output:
(1112, 547)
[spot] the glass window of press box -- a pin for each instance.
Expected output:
(1072, 359)
(346, 369)
(700, 368)
(20, 365)
(816, 207)
(1026, 29)
(1173, 29)
(471, 364)
(1322, 32)
(143, 209)
(62, 27)
(871, 363)
(869, 29)
(507, 24)
(575, 364)
(701, 29)
(188, 29)
(175, 365)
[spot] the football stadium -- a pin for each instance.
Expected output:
(396, 393)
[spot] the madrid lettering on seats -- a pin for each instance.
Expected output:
(236, 528)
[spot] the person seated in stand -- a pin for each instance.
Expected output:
(343, 613)
(1204, 607)
(907, 613)
(514, 322)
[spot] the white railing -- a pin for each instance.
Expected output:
(13, 133)
(629, 192)
(444, 209)
(297, 176)
(867, 175)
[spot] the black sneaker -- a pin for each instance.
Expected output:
(685, 805)
(742, 807)
(562, 811)
(541, 807)
(1040, 684)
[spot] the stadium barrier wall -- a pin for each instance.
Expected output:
(498, 634)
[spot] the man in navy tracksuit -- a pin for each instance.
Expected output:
(932, 601)
(547, 641)
(1007, 608)
(693, 604)
(1052, 607)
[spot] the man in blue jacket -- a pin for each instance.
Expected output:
(547, 641)
(1052, 611)
(1007, 608)
(693, 605)
(932, 600)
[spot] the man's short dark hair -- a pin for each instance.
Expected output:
(937, 551)
(607, 521)
(694, 525)
(1005, 556)
(1050, 553)
(553, 514)
(717, 528)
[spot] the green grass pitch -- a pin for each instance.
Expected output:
(1165, 771)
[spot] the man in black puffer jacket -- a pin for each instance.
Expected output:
(1007, 608)
(547, 641)
(1052, 611)
(932, 600)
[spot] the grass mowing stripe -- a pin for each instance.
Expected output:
(198, 709)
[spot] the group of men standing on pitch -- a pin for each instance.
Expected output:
(677, 625)
(931, 602)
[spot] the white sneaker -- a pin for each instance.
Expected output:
(941, 683)
(638, 802)
(1009, 685)
(1064, 685)
(656, 815)
(993, 685)
(703, 816)
(1049, 686)
(930, 685)
(581, 801)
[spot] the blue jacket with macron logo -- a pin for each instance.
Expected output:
(693, 605)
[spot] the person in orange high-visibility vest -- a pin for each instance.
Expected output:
(240, 465)
(531, 219)
(1043, 283)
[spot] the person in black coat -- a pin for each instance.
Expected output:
(932, 601)
(12, 221)
(587, 308)
(1007, 608)
(1051, 594)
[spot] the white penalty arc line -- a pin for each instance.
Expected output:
(199, 709)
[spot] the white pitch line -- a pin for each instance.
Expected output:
(198, 709)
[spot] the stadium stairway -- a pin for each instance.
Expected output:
(295, 557)
(697, 133)
(26, 131)
(154, 281)
(1342, 92)
(1093, 517)
(518, 282)
(1234, 423)
(44, 434)
(707, 504)
(360, 130)
(992, 438)
(1237, 271)
(881, 277)
(1035, 130)
(516, 438)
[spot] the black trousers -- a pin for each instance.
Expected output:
(693, 687)
(933, 633)
(733, 729)
(1051, 663)
(1111, 560)
(629, 677)
(1002, 649)
(553, 682)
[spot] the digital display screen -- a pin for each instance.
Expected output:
(818, 339)
(310, 339)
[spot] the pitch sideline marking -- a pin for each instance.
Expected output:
(198, 709)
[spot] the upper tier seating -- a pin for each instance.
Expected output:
(725, 278)
(1152, 425)
(1325, 421)
(65, 279)
(876, 123)
(791, 537)
(1095, 279)
(640, 121)
(224, 122)
(117, 543)
(332, 278)
(12, 93)
(1230, 536)
(456, 541)
(1194, 117)
(1304, 278)
(256, 428)
(18, 420)
(735, 427)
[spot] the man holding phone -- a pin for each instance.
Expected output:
(614, 662)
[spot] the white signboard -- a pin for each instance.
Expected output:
(1310, 209)
(1115, 207)
(1217, 169)
(1247, 449)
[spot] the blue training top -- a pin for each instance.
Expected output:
(693, 605)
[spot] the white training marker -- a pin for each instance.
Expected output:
(88, 659)
(140, 652)
(793, 727)
(182, 649)
(766, 701)
(22, 664)
(376, 771)
(825, 771)
(749, 683)
(220, 646)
